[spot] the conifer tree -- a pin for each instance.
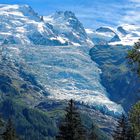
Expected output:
(92, 134)
(130, 133)
(10, 133)
(1, 127)
(135, 119)
(71, 128)
(134, 57)
(121, 130)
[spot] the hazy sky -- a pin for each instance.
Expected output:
(92, 13)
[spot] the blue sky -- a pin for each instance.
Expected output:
(92, 13)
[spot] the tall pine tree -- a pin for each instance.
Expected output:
(1, 127)
(93, 134)
(71, 128)
(135, 119)
(130, 133)
(134, 57)
(121, 130)
(10, 132)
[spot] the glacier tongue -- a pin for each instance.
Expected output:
(68, 72)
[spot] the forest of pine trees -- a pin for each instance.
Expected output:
(72, 128)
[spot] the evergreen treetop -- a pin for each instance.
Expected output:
(71, 128)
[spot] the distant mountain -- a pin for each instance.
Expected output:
(103, 35)
(122, 35)
(110, 51)
(129, 34)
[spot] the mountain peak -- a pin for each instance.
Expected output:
(67, 25)
(14, 6)
(20, 24)
(105, 29)
(67, 14)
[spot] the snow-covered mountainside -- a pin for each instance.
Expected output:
(103, 35)
(22, 25)
(71, 30)
(129, 34)
(122, 35)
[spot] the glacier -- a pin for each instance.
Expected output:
(67, 72)
(56, 50)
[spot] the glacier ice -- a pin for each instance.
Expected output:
(68, 72)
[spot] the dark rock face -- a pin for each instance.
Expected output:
(104, 29)
(121, 83)
(115, 38)
(121, 30)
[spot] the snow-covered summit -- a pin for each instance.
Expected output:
(128, 33)
(19, 24)
(68, 27)
(125, 34)
(105, 30)
(103, 35)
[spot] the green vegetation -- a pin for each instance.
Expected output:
(29, 123)
(72, 127)
(135, 120)
(129, 129)
(32, 123)
(134, 57)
